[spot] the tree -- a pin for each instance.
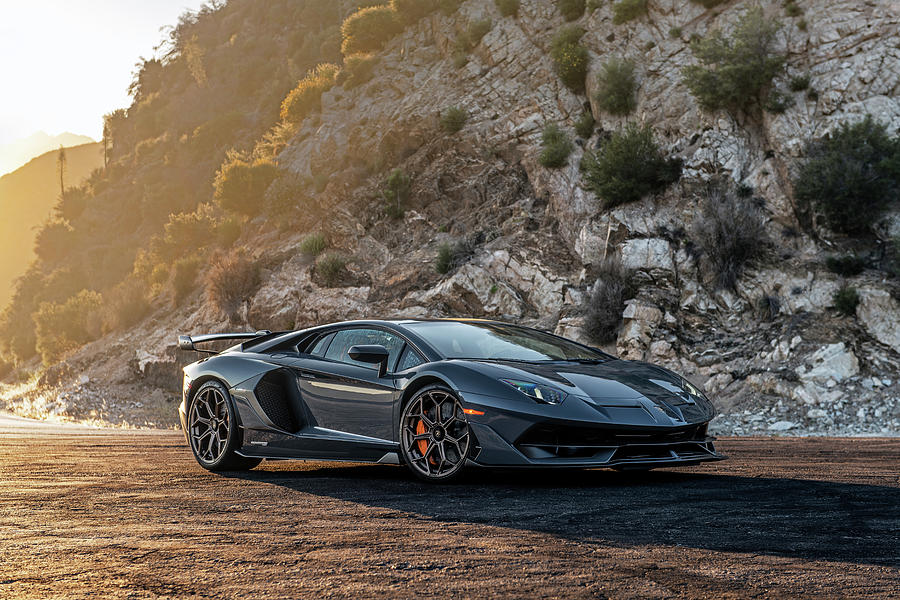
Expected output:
(61, 169)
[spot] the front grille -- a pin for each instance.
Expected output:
(272, 399)
(547, 441)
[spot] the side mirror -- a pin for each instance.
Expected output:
(375, 354)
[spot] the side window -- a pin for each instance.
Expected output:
(319, 346)
(347, 338)
(409, 359)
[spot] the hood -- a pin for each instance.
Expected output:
(611, 383)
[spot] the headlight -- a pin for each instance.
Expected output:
(537, 392)
(693, 390)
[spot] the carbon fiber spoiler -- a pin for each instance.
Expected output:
(186, 342)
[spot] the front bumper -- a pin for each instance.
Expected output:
(579, 435)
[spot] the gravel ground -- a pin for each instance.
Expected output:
(128, 514)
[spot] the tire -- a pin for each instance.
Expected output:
(435, 439)
(213, 431)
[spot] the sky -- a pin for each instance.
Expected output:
(65, 63)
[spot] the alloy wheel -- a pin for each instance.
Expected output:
(209, 425)
(435, 434)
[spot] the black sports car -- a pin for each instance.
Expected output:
(436, 395)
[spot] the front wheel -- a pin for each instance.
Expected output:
(434, 435)
(213, 430)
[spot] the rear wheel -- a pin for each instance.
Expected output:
(434, 435)
(213, 430)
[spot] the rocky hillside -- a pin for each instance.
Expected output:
(424, 214)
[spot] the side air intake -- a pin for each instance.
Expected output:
(274, 402)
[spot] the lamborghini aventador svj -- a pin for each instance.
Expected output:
(437, 396)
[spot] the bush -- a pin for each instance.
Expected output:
(184, 278)
(731, 235)
(570, 58)
(285, 194)
(313, 244)
(357, 70)
(708, 3)
(54, 241)
(471, 37)
(851, 176)
(846, 299)
(777, 102)
(584, 126)
(369, 29)
(306, 97)
(453, 119)
(65, 326)
(791, 9)
(735, 72)
(508, 8)
(629, 166)
(230, 281)
(395, 193)
(799, 83)
(451, 256)
(240, 185)
(675, 33)
(616, 87)
(444, 260)
(848, 265)
(628, 10)
(126, 305)
(185, 232)
(410, 11)
(331, 268)
(555, 147)
(570, 9)
(603, 313)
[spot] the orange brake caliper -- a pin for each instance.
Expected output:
(423, 444)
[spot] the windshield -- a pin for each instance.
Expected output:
(486, 340)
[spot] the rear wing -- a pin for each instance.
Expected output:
(186, 342)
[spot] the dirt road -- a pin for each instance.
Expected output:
(99, 513)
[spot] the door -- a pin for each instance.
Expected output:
(344, 395)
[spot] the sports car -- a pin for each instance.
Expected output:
(438, 396)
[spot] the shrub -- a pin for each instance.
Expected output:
(593, 5)
(184, 278)
(448, 7)
(791, 9)
(185, 232)
(799, 83)
(306, 97)
(471, 37)
(616, 87)
(708, 3)
(65, 326)
(230, 281)
(846, 299)
(570, 9)
(570, 58)
(628, 10)
(453, 119)
(444, 260)
(240, 185)
(369, 29)
(629, 166)
(395, 193)
(675, 32)
(731, 235)
(777, 102)
(54, 241)
(228, 231)
(768, 307)
(555, 147)
(603, 313)
(126, 305)
(848, 265)
(850, 176)
(410, 11)
(285, 193)
(357, 70)
(735, 72)
(331, 268)
(508, 8)
(891, 262)
(584, 126)
(313, 244)
(450, 256)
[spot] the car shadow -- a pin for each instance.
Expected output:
(774, 516)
